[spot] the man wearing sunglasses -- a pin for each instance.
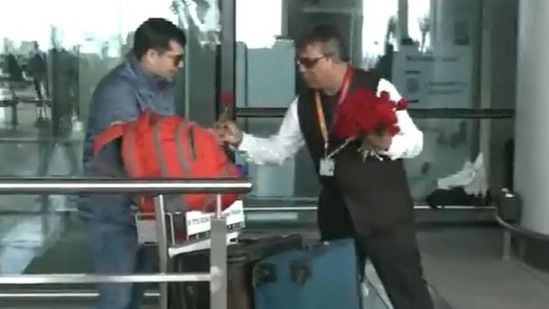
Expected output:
(145, 80)
(367, 199)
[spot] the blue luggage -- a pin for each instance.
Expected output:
(324, 276)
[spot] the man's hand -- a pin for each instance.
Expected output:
(379, 141)
(228, 132)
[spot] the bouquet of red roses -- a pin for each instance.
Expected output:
(363, 113)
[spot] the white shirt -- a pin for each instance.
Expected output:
(276, 149)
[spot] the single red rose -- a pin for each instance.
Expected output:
(402, 104)
(226, 100)
(384, 96)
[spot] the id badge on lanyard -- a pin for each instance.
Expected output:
(327, 163)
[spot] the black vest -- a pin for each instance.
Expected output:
(375, 191)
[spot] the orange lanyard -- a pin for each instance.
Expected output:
(320, 110)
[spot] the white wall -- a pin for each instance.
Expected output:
(532, 142)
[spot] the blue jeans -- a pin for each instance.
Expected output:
(115, 251)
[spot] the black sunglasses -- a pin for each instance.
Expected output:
(177, 59)
(308, 63)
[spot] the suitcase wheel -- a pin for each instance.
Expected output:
(301, 271)
(264, 273)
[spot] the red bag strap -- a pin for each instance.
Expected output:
(102, 139)
(147, 121)
(130, 153)
(147, 118)
(107, 136)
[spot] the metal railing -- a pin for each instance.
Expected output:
(218, 254)
(427, 113)
(76, 185)
(513, 229)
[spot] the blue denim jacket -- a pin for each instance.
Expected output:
(119, 96)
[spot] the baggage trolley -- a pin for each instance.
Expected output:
(178, 233)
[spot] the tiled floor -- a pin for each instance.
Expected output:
(465, 266)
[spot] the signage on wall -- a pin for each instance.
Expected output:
(438, 79)
(442, 78)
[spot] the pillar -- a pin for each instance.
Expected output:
(442, 19)
(403, 20)
(532, 125)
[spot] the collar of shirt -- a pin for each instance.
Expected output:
(154, 83)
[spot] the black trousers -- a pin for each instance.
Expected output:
(393, 252)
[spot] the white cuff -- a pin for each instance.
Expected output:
(245, 143)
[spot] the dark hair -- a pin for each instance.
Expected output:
(328, 36)
(156, 33)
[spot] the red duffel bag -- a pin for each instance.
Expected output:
(168, 146)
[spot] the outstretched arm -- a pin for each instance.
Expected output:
(276, 149)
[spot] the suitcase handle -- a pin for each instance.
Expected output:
(300, 271)
(265, 273)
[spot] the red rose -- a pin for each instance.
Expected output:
(402, 104)
(363, 112)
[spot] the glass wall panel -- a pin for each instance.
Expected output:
(52, 55)
(201, 18)
(258, 23)
(428, 49)
(295, 179)
(265, 77)
(446, 155)
(446, 152)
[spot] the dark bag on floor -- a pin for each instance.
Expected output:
(320, 277)
(240, 261)
(509, 206)
(456, 196)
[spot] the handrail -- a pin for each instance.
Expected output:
(314, 208)
(217, 276)
(516, 229)
(423, 113)
(54, 185)
(510, 229)
(35, 139)
(89, 279)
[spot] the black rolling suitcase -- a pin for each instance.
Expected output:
(241, 259)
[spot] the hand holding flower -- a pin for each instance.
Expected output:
(379, 140)
(370, 118)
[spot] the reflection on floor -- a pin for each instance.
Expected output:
(25, 153)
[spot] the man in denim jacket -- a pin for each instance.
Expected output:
(143, 81)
